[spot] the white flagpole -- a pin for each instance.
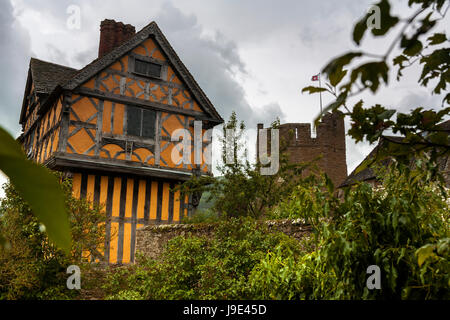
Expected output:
(320, 94)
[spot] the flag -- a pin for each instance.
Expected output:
(315, 78)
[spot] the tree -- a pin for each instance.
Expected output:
(32, 267)
(242, 190)
(417, 44)
(38, 187)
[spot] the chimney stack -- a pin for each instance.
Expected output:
(113, 34)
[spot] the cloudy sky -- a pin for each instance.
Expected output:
(251, 56)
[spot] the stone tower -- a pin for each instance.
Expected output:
(329, 143)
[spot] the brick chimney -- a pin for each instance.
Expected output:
(113, 34)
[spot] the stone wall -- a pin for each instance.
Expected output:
(329, 144)
(151, 240)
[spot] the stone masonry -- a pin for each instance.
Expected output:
(151, 240)
(329, 143)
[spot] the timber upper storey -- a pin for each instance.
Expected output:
(117, 113)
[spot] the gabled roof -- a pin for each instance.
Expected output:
(444, 125)
(369, 174)
(46, 75)
(153, 30)
(50, 78)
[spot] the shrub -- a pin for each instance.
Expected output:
(283, 276)
(201, 267)
(402, 227)
(202, 216)
(31, 267)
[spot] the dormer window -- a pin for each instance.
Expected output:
(148, 69)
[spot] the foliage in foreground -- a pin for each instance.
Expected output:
(31, 267)
(202, 267)
(420, 39)
(42, 192)
(403, 228)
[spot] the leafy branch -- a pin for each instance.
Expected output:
(420, 129)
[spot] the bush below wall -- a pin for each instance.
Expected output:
(151, 240)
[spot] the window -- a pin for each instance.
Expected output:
(146, 68)
(140, 122)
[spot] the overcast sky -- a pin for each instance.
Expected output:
(251, 56)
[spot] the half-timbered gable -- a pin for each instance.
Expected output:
(41, 130)
(111, 126)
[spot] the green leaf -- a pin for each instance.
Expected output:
(370, 74)
(446, 98)
(399, 60)
(386, 114)
(412, 47)
(39, 188)
(385, 24)
(363, 165)
(3, 242)
(424, 253)
(312, 89)
(340, 100)
(337, 76)
(329, 184)
(8, 146)
(337, 64)
(437, 38)
(359, 30)
(387, 21)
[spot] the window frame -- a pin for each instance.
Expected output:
(146, 74)
(141, 123)
(132, 66)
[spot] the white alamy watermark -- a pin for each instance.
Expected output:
(374, 19)
(374, 281)
(200, 143)
(74, 280)
(73, 21)
(264, 159)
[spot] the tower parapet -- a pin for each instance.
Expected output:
(328, 144)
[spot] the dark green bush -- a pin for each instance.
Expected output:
(31, 267)
(402, 227)
(202, 216)
(201, 267)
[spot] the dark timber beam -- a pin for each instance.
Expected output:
(143, 103)
(58, 162)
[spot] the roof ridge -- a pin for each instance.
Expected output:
(151, 29)
(52, 63)
(111, 53)
(191, 77)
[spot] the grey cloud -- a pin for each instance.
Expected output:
(252, 21)
(269, 113)
(85, 57)
(56, 55)
(212, 61)
(15, 44)
(228, 51)
(419, 98)
(209, 43)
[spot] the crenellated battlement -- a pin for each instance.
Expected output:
(328, 143)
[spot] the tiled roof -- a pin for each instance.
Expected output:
(47, 75)
(445, 125)
(369, 174)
